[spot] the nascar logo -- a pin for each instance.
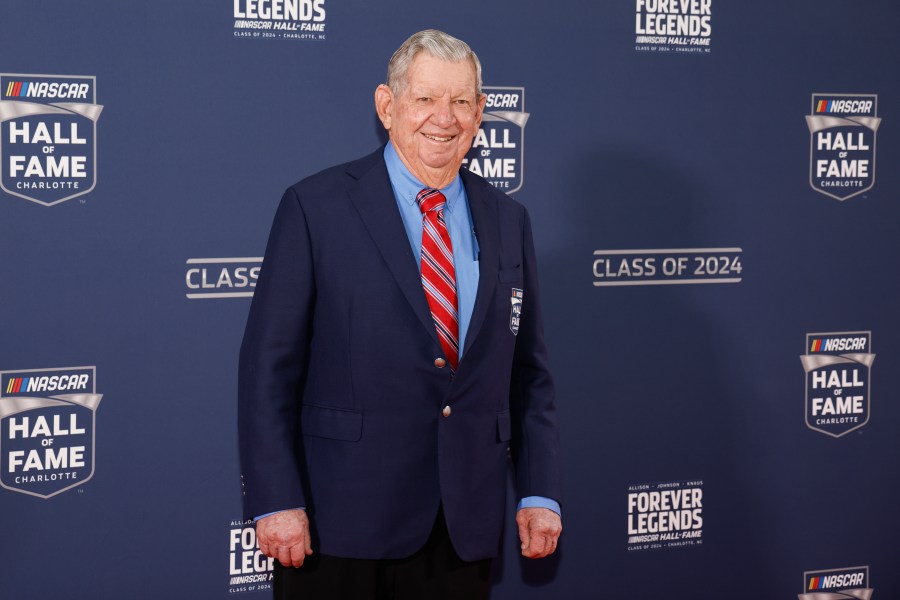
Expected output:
(32, 89)
(27, 385)
(835, 584)
(47, 424)
(835, 581)
(838, 344)
(852, 107)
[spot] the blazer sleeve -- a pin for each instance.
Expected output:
(273, 365)
(535, 445)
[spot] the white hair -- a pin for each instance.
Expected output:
(433, 43)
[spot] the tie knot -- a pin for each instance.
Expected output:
(430, 200)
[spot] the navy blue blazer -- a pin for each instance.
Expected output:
(340, 397)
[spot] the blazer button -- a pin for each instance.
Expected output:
(446, 412)
(440, 363)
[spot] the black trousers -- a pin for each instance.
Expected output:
(433, 573)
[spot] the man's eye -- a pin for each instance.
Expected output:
(462, 102)
(424, 99)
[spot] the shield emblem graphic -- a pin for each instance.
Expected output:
(838, 369)
(48, 136)
(47, 438)
(842, 130)
(498, 150)
(515, 310)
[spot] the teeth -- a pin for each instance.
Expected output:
(437, 139)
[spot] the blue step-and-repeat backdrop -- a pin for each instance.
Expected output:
(716, 202)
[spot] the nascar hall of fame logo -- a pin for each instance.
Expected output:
(498, 151)
(47, 419)
(280, 19)
(48, 125)
(249, 570)
(673, 25)
(221, 277)
(515, 311)
(838, 373)
(665, 515)
(851, 583)
(842, 131)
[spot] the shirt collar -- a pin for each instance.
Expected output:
(407, 187)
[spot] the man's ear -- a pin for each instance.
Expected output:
(384, 98)
(480, 103)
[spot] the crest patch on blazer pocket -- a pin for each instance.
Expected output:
(515, 310)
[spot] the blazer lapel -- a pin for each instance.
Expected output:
(486, 222)
(374, 200)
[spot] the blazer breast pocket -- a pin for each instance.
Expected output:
(510, 275)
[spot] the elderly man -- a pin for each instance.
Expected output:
(394, 361)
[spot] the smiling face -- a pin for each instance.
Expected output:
(433, 118)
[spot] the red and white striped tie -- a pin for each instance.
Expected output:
(438, 273)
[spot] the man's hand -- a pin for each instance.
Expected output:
(285, 536)
(539, 530)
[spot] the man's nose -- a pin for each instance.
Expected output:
(443, 113)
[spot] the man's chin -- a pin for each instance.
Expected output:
(441, 161)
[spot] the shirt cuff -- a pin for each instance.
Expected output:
(276, 512)
(539, 502)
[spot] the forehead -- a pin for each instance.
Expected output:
(427, 71)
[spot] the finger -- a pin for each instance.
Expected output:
(297, 555)
(307, 546)
(551, 530)
(537, 546)
(284, 556)
(523, 532)
(549, 546)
